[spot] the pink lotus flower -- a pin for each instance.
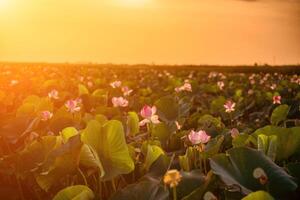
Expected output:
(229, 106)
(119, 102)
(198, 137)
(116, 84)
(53, 94)
(72, 105)
(126, 91)
(212, 75)
(46, 115)
(220, 85)
(277, 99)
(234, 132)
(295, 79)
(185, 87)
(149, 115)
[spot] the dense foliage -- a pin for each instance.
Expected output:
(148, 133)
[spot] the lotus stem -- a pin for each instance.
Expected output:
(174, 193)
(113, 185)
(20, 188)
(83, 176)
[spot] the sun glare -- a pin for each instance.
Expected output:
(133, 3)
(3, 3)
(5, 6)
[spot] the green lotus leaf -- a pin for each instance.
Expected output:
(132, 124)
(242, 140)
(189, 182)
(99, 93)
(32, 105)
(102, 119)
(68, 132)
(76, 192)
(259, 195)
(209, 88)
(217, 104)
(213, 146)
(109, 112)
(14, 129)
(199, 192)
(279, 114)
(212, 124)
(146, 189)
(62, 119)
(153, 153)
(109, 143)
(294, 170)
(268, 145)
(35, 153)
(237, 166)
(161, 132)
(288, 140)
(60, 162)
(89, 158)
(167, 108)
(82, 90)
(26, 109)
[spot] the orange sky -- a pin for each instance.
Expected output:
(146, 31)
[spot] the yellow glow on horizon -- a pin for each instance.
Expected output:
(133, 3)
(3, 4)
(147, 31)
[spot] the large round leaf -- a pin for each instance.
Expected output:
(132, 124)
(167, 108)
(68, 132)
(109, 143)
(77, 192)
(237, 166)
(147, 189)
(82, 90)
(279, 114)
(288, 140)
(161, 132)
(153, 153)
(294, 170)
(189, 182)
(60, 162)
(259, 195)
(89, 158)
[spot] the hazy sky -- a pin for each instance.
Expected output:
(146, 31)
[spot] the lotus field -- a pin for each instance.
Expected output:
(120, 133)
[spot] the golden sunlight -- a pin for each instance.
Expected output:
(3, 3)
(133, 3)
